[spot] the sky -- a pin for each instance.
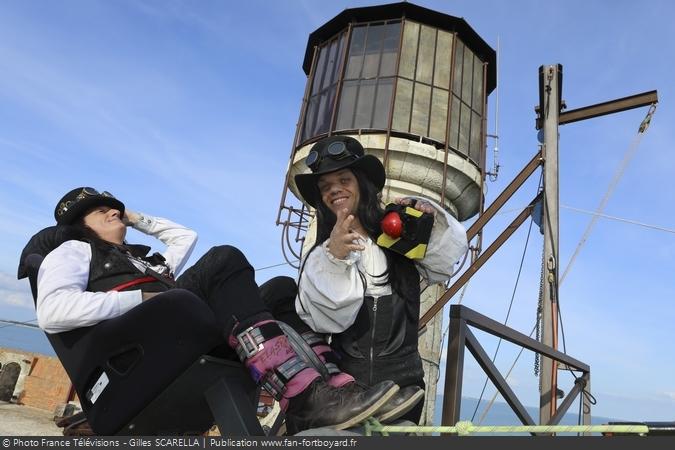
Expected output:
(187, 110)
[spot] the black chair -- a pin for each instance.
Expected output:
(148, 372)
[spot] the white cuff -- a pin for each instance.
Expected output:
(127, 300)
(337, 262)
(144, 224)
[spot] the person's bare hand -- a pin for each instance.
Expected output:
(420, 205)
(343, 238)
(130, 217)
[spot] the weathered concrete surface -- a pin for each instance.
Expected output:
(18, 420)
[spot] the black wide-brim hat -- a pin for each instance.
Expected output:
(324, 158)
(78, 201)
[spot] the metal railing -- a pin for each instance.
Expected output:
(461, 337)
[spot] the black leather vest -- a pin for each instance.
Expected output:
(110, 267)
(382, 342)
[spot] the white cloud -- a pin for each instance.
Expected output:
(14, 292)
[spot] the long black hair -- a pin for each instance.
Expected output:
(370, 213)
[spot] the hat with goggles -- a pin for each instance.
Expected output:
(332, 154)
(78, 201)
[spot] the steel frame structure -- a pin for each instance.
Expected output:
(461, 337)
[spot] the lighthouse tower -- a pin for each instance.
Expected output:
(411, 84)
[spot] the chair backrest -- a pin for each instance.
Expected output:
(40, 245)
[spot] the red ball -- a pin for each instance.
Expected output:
(392, 225)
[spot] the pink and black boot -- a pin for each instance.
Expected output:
(307, 400)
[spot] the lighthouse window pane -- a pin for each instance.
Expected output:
(347, 105)
(321, 122)
(477, 102)
(443, 55)
(325, 111)
(439, 114)
(382, 102)
(390, 49)
(457, 75)
(467, 73)
(310, 117)
(476, 144)
(425, 55)
(406, 67)
(330, 65)
(464, 129)
(402, 105)
(454, 123)
(364, 105)
(318, 72)
(355, 58)
(420, 113)
(371, 64)
(339, 57)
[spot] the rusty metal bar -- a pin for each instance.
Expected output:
(460, 336)
(454, 369)
(341, 78)
(505, 195)
(610, 107)
(392, 102)
(495, 328)
(448, 122)
(497, 379)
(298, 126)
(473, 268)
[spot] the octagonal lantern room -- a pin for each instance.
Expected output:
(411, 84)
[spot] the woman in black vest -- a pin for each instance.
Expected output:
(100, 276)
(367, 296)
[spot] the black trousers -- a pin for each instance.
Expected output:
(225, 280)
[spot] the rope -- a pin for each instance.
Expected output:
(14, 323)
(289, 263)
(630, 152)
(620, 219)
(465, 428)
(604, 216)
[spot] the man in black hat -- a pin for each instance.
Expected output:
(365, 295)
(99, 276)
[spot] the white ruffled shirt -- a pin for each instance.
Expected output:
(331, 290)
(63, 303)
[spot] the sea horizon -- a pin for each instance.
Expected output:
(33, 340)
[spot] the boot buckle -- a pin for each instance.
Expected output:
(248, 344)
(273, 385)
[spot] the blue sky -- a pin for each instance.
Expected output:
(188, 109)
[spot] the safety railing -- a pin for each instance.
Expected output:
(461, 337)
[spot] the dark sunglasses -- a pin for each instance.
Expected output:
(86, 192)
(336, 151)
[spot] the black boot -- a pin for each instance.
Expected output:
(402, 402)
(321, 405)
(398, 405)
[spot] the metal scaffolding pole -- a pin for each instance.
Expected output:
(550, 81)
